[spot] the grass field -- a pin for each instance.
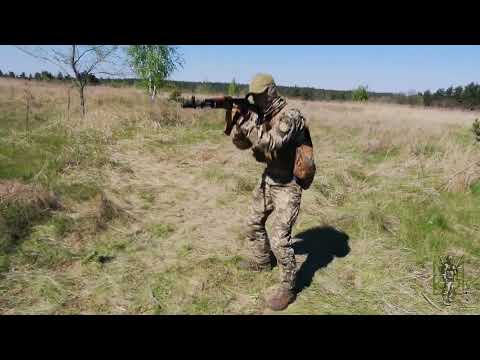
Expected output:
(154, 199)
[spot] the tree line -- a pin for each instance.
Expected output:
(460, 96)
(48, 76)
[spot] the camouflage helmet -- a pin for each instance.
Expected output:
(260, 83)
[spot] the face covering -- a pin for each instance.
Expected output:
(268, 103)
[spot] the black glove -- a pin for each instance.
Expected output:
(259, 156)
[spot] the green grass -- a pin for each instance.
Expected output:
(122, 167)
(4, 263)
(148, 196)
(161, 231)
(216, 174)
(107, 248)
(50, 291)
(47, 153)
(162, 287)
(235, 183)
(16, 222)
(78, 191)
(41, 293)
(62, 224)
(218, 283)
(358, 174)
(428, 149)
(244, 184)
(181, 136)
(432, 229)
(475, 188)
(463, 136)
(13, 117)
(185, 250)
(381, 155)
(215, 123)
(30, 234)
(22, 160)
(126, 130)
(41, 153)
(198, 134)
(44, 250)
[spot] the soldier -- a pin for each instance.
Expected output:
(272, 135)
(449, 274)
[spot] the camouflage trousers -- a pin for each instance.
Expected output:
(282, 201)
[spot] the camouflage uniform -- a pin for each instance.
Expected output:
(277, 193)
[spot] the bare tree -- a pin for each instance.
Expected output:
(80, 62)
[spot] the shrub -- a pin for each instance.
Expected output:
(360, 94)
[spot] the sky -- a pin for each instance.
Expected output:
(389, 68)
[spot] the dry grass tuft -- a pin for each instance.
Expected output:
(13, 192)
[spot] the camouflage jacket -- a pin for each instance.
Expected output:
(274, 142)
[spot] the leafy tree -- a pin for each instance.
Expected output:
(427, 98)
(457, 92)
(449, 91)
(11, 74)
(1, 73)
(469, 93)
(439, 93)
(307, 94)
(360, 94)
(37, 76)
(153, 64)
(296, 92)
(46, 75)
(60, 76)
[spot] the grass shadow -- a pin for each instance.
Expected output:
(321, 244)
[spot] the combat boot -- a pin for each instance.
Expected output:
(279, 297)
(252, 265)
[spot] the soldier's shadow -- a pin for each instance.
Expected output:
(321, 245)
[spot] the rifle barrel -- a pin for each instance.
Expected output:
(222, 102)
(190, 103)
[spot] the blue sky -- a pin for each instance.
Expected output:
(383, 68)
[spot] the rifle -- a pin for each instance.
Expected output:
(224, 102)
